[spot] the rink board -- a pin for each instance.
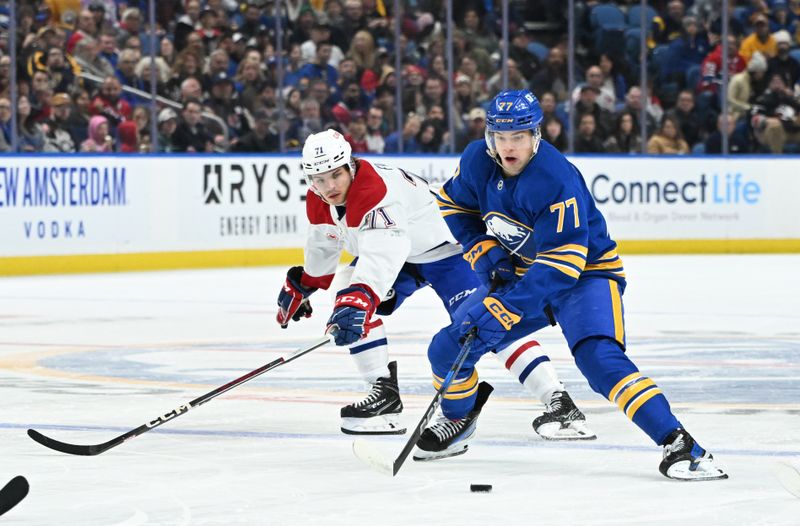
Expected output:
(82, 213)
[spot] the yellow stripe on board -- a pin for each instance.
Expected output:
(19, 266)
(709, 246)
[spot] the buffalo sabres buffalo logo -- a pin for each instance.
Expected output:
(510, 233)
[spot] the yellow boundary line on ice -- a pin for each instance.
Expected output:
(28, 265)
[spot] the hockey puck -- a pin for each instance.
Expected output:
(480, 488)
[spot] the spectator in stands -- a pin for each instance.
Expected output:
(711, 68)
(476, 33)
(759, 40)
(348, 73)
(776, 116)
(515, 80)
(469, 67)
(633, 103)
(311, 121)
(737, 142)
(167, 124)
(547, 101)
(87, 54)
(262, 137)
(606, 98)
(141, 116)
(56, 128)
(250, 81)
(746, 86)
(126, 73)
(191, 89)
(321, 32)
(783, 19)
(626, 137)
(109, 103)
(218, 62)
(411, 127)
(40, 95)
(692, 123)
(128, 137)
(142, 72)
(375, 130)
(224, 102)
(354, 19)
(362, 52)
(433, 94)
(614, 79)
(553, 76)
(99, 136)
(130, 25)
(86, 27)
(429, 137)
(527, 62)
(62, 76)
(667, 27)
(108, 47)
(783, 63)
(351, 101)
(5, 75)
(79, 115)
(687, 51)
(191, 134)
(187, 64)
(668, 139)
(553, 132)
(587, 103)
(167, 51)
(319, 68)
(357, 133)
(587, 140)
(5, 125)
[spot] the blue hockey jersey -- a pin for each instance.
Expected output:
(545, 218)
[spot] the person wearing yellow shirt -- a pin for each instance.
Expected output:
(760, 40)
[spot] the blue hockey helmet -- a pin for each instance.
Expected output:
(514, 110)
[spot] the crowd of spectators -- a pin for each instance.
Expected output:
(217, 60)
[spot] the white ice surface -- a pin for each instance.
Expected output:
(84, 358)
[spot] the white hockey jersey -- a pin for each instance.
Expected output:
(390, 218)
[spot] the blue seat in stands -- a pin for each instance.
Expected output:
(634, 16)
(540, 50)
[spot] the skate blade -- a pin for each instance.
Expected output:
(376, 425)
(553, 431)
(424, 456)
(789, 477)
(681, 472)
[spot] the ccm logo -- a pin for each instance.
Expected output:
(353, 300)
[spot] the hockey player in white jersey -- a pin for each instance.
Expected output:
(390, 221)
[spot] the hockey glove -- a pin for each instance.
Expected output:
(492, 318)
(293, 302)
(490, 261)
(352, 311)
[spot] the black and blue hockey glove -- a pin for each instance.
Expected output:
(293, 302)
(492, 318)
(352, 313)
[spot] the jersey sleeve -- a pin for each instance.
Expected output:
(381, 223)
(561, 235)
(321, 254)
(459, 205)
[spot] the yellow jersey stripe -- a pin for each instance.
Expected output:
(639, 402)
(458, 385)
(568, 248)
(611, 254)
(445, 199)
(578, 261)
(628, 393)
(569, 271)
(611, 265)
(459, 396)
(616, 307)
(622, 383)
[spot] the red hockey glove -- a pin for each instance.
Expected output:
(293, 302)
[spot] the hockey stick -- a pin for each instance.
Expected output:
(370, 455)
(12, 493)
(96, 449)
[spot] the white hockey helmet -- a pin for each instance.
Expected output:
(326, 151)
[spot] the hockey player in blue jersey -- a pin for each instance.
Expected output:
(516, 203)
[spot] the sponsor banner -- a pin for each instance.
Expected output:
(78, 205)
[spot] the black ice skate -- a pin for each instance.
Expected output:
(448, 438)
(685, 460)
(379, 412)
(562, 420)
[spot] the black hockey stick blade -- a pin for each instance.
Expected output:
(372, 457)
(96, 449)
(13, 492)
